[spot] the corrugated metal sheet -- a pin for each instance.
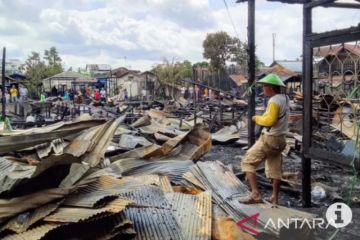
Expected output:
(71, 214)
(57, 146)
(193, 213)
(171, 168)
(12, 172)
(33, 234)
(11, 207)
(30, 139)
(107, 188)
(165, 184)
(154, 223)
(149, 196)
(23, 221)
(227, 189)
(97, 153)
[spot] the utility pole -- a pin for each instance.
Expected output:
(273, 37)
(3, 84)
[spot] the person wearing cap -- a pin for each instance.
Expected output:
(272, 142)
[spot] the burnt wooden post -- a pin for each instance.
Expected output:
(251, 70)
(3, 99)
(194, 93)
(307, 106)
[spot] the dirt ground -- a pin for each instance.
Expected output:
(338, 177)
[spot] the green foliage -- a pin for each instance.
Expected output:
(173, 72)
(37, 69)
(201, 64)
(219, 48)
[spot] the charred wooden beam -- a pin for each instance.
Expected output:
(334, 37)
(318, 3)
(251, 71)
(344, 5)
(307, 106)
(3, 99)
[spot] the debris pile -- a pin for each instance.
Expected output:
(96, 179)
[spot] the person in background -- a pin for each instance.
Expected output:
(103, 95)
(97, 95)
(88, 92)
(183, 89)
(80, 97)
(143, 93)
(191, 92)
(66, 96)
(54, 91)
(210, 94)
(126, 97)
(42, 97)
(197, 92)
(7, 96)
(71, 94)
(23, 93)
(206, 93)
(13, 94)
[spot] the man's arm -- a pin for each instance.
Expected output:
(270, 117)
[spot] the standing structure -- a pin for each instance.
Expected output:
(311, 40)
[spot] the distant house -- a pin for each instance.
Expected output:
(337, 68)
(98, 70)
(133, 82)
(290, 72)
(13, 75)
(66, 81)
(239, 84)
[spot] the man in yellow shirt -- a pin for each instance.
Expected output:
(272, 142)
(13, 94)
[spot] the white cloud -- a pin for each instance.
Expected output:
(146, 31)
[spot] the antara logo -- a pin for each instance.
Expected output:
(338, 215)
(253, 218)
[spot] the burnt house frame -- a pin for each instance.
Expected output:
(310, 41)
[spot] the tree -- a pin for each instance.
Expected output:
(172, 72)
(37, 69)
(35, 72)
(53, 61)
(219, 47)
(202, 64)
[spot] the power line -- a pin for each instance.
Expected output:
(231, 20)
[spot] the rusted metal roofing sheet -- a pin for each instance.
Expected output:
(30, 139)
(128, 141)
(174, 169)
(147, 196)
(12, 172)
(107, 188)
(102, 226)
(11, 207)
(23, 221)
(72, 214)
(57, 146)
(193, 213)
(154, 223)
(97, 153)
(227, 189)
(35, 233)
(140, 152)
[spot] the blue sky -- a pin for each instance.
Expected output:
(144, 32)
